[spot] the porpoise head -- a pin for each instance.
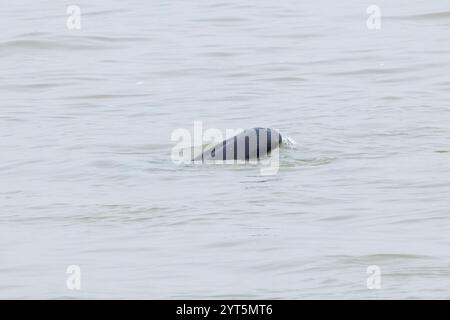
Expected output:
(250, 144)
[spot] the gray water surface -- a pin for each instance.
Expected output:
(86, 176)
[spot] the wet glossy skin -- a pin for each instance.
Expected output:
(248, 145)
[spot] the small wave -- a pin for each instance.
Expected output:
(373, 71)
(284, 79)
(382, 257)
(38, 41)
(425, 16)
(312, 162)
(21, 45)
(225, 20)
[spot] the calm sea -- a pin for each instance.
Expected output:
(86, 177)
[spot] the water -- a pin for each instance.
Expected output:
(86, 177)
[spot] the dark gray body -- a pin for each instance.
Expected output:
(251, 144)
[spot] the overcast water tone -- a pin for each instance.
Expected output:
(87, 180)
